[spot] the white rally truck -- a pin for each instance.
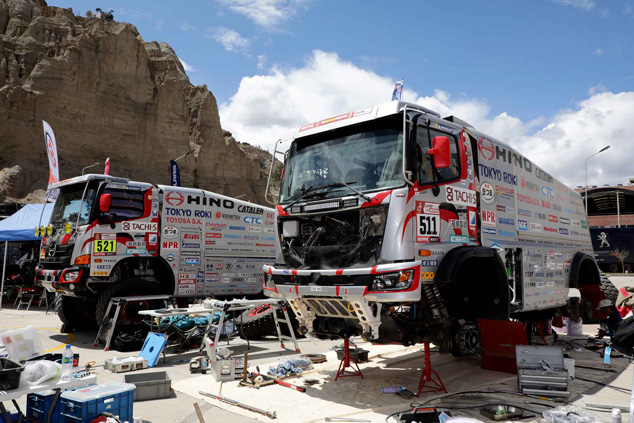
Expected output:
(401, 226)
(112, 237)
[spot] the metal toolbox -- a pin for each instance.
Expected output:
(540, 370)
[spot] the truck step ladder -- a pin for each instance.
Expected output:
(106, 327)
(223, 307)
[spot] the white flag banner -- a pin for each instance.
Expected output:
(53, 163)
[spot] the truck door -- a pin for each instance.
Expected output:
(445, 211)
(128, 229)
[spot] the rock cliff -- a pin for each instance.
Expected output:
(106, 93)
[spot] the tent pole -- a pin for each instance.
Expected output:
(4, 270)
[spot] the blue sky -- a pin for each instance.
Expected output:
(513, 66)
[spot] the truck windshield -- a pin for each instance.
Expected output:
(68, 205)
(364, 160)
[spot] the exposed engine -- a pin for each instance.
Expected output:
(338, 239)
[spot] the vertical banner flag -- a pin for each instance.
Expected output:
(397, 94)
(175, 174)
(107, 169)
(53, 163)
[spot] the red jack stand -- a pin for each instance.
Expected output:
(428, 377)
(345, 363)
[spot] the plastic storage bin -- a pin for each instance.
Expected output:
(14, 417)
(9, 374)
(22, 344)
(150, 386)
(84, 405)
(37, 406)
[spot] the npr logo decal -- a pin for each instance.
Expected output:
(488, 217)
(170, 245)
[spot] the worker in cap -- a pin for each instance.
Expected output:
(609, 325)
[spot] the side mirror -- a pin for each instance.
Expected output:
(440, 152)
(104, 203)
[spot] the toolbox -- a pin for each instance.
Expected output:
(540, 370)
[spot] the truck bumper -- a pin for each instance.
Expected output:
(53, 279)
(342, 283)
(339, 293)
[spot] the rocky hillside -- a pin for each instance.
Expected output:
(106, 93)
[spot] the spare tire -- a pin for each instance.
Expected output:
(257, 322)
(608, 288)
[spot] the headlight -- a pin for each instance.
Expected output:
(42, 230)
(67, 228)
(49, 230)
(71, 276)
(37, 232)
(393, 281)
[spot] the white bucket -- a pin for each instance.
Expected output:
(575, 328)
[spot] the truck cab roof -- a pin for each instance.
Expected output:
(357, 116)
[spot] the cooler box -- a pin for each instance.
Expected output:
(84, 405)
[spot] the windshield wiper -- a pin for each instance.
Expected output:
(309, 192)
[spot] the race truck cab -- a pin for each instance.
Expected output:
(401, 226)
(112, 237)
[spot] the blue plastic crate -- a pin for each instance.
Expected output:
(37, 405)
(13, 416)
(84, 405)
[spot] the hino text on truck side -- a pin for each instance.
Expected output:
(401, 226)
(111, 237)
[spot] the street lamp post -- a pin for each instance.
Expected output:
(586, 191)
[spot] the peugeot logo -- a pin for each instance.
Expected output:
(51, 249)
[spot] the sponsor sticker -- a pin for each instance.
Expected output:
(136, 251)
(487, 193)
(429, 263)
(152, 239)
(462, 239)
(170, 232)
(461, 196)
(488, 218)
(522, 225)
(458, 224)
(170, 245)
(489, 231)
(140, 226)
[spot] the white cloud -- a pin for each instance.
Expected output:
(599, 52)
(628, 10)
(187, 67)
(230, 39)
(186, 27)
(579, 4)
(158, 25)
(262, 62)
(268, 14)
(597, 89)
(266, 106)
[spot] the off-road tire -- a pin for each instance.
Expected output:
(75, 313)
(127, 288)
(608, 288)
(257, 323)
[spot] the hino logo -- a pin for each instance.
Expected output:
(52, 249)
(204, 201)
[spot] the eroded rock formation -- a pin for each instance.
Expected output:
(106, 93)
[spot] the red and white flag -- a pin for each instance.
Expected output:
(53, 163)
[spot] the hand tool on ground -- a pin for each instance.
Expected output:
(269, 414)
(281, 382)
